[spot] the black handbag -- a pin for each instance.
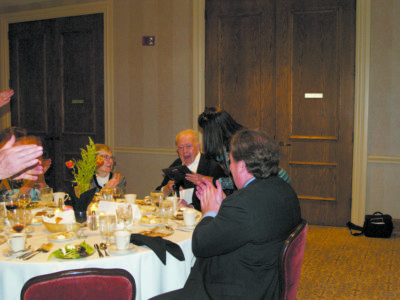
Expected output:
(376, 225)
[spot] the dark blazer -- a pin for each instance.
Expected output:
(237, 251)
(206, 167)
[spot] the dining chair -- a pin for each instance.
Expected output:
(290, 261)
(88, 283)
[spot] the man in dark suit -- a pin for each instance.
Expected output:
(188, 148)
(238, 241)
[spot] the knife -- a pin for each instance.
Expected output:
(98, 250)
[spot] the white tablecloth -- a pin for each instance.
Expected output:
(151, 276)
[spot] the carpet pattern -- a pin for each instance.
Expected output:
(337, 265)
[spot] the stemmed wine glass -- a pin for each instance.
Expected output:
(81, 217)
(107, 226)
(124, 214)
(24, 200)
(116, 193)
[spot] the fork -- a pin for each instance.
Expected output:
(44, 249)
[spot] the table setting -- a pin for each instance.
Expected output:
(160, 255)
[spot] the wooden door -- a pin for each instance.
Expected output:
(56, 71)
(287, 66)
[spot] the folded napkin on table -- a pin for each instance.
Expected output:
(159, 245)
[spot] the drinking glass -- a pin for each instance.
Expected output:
(124, 215)
(81, 217)
(166, 210)
(17, 220)
(156, 197)
(46, 196)
(107, 226)
(12, 202)
(116, 193)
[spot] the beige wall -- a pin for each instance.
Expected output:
(153, 92)
(383, 186)
(153, 86)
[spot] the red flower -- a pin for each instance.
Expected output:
(99, 159)
(69, 164)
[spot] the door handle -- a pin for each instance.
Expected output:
(282, 144)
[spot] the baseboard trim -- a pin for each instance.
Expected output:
(396, 225)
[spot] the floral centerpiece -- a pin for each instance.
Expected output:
(84, 169)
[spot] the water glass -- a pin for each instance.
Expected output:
(46, 196)
(124, 215)
(166, 210)
(107, 225)
(156, 197)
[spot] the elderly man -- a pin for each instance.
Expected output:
(188, 148)
(238, 241)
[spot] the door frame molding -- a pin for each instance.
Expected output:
(106, 8)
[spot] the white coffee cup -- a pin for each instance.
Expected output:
(122, 239)
(17, 241)
(60, 196)
(130, 198)
(174, 200)
(189, 217)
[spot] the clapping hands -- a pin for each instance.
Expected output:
(210, 197)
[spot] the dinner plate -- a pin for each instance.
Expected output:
(161, 232)
(114, 250)
(29, 229)
(58, 252)
(156, 221)
(62, 236)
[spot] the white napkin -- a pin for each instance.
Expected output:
(136, 215)
(107, 207)
(68, 217)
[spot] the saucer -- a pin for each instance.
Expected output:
(113, 250)
(186, 228)
(9, 252)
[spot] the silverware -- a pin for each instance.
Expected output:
(44, 248)
(103, 246)
(98, 250)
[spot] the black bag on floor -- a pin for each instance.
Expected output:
(376, 225)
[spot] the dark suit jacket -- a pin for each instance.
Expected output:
(206, 167)
(237, 251)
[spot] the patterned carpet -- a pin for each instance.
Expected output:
(338, 265)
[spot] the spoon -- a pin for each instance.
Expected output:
(103, 246)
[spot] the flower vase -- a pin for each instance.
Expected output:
(81, 188)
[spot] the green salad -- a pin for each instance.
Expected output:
(73, 251)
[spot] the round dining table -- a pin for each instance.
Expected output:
(151, 276)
